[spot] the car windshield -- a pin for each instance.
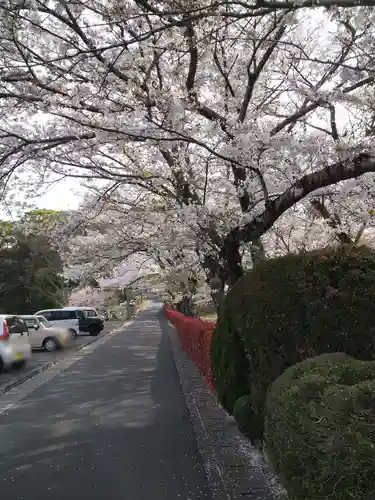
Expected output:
(44, 322)
(90, 313)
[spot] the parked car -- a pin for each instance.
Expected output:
(75, 319)
(89, 320)
(15, 349)
(61, 318)
(43, 335)
(89, 312)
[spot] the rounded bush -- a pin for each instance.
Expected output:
(320, 428)
(289, 309)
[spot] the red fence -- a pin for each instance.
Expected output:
(195, 338)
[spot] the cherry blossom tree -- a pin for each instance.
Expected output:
(310, 226)
(230, 114)
(93, 297)
(133, 246)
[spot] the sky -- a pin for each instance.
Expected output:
(61, 196)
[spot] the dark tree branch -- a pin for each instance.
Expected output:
(333, 66)
(334, 131)
(254, 75)
(224, 74)
(319, 102)
(327, 176)
(332, 220)
(193, 51)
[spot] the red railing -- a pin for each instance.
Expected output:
(195, 337)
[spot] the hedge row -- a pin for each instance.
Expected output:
(287, 310)
(276, 318)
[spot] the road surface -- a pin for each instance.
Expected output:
(41, 358)
(111, 425)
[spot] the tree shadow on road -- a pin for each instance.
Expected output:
(114, 424)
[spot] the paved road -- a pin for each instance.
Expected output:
(42, 358)
(112, 425)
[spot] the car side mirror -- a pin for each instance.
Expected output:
(36, 327)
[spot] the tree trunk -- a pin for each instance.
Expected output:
(217, 286)
(232, 258)
(186, 306)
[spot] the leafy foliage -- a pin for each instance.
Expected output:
(320, 428)
(243, 414)
(30, 272)
(230, 366)
(289, 309)
(40, 220)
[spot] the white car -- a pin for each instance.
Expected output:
(15, 348)
(43, 335)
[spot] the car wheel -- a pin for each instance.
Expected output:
(2, 367)
(50, 344)
(73, 333)
(93, 331)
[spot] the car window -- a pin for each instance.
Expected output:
(31, 322)
(54, 316)
(16, 325)
(59, 314)
(90, 313)
(66, 314)
(80, 314)
(46, 314)
(43, 322)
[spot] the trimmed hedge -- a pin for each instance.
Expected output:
(230, 377)
(320, 428)
(243, 415)
(287, 310)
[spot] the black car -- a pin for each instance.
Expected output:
(89, 320)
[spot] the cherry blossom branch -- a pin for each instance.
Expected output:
(253, 76)
(243, 9)
(327, 176)
(319, 102)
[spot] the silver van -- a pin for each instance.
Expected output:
(62, 318)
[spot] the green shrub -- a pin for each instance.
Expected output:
(320, 428)
(244, 416)
(231, 379)
(289, 309)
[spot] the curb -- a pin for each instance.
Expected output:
(235, 469)
(45, 367)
